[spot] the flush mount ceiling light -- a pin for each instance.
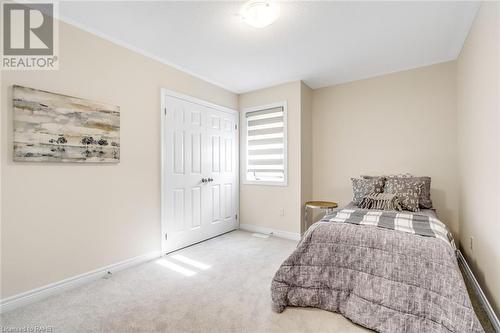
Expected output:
(259, 13)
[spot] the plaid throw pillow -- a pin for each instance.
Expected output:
(407, 190)
(380, 201)
(362, 187)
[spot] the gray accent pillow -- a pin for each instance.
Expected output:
(425, 196)
(361, 187)
(407, 190)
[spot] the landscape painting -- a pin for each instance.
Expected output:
(50, 127)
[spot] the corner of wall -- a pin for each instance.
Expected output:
(306, 170)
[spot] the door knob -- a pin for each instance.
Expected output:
(204, 180)
(210, 179)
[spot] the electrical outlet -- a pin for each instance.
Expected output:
(282, 211)
(471, 244)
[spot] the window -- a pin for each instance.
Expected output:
(265, 145)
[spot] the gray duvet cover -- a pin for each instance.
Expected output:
(385, 280)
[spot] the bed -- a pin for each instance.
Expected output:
(378, 276)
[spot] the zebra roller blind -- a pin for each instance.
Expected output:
(266, 146)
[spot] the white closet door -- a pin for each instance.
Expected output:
(200, 184)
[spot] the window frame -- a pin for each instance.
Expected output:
(244, 139)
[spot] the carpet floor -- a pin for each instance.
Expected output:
(221, 285)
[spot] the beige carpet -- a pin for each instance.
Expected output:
(227, 289)
(221, 285)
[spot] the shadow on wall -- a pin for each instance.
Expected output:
(313, 215)
(438, 198)
(445, 213)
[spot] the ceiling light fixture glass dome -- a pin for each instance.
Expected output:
(259, 13)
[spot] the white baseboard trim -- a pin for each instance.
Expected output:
(482, 297)
(268, 231)
(33, 295)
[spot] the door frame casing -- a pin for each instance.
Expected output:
(163, 124)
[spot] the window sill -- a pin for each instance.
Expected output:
(264, 183)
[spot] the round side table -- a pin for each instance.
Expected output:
(324, 205)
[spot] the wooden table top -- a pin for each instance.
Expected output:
(321, 204)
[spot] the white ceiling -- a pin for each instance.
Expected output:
(321, 43)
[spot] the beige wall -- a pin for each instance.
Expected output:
(306, 186)
(261, 205)
(397, 123)
(60, 220)
(479, 148)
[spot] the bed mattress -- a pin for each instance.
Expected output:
(385, 280)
